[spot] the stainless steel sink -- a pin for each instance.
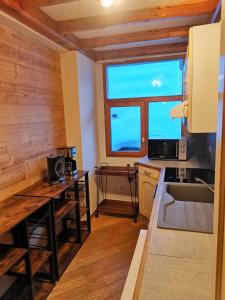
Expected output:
(186, 207)
(190, 192)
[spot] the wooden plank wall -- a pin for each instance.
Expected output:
(31, 110)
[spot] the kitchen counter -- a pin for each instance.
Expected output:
(161, 164)
(176, 265)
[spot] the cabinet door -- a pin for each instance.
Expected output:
(146, 190)
(203, 70)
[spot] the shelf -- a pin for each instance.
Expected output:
(66, 252)
(71, 234)
(83, 211)
(116, 208)
(116, 171)
(18, 291)
(84, 235)
(38, 258)
(42, 289)
(9, 257)
(64, 210)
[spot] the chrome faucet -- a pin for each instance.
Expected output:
(205, 184)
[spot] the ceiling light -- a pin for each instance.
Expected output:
(156, 83)
(106, 3)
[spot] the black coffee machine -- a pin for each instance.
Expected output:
(69, 154)
(56, 169)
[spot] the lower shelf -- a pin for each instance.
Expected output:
(66, 252)
(42, 289)
(38, 258)
(18, 290)
(83, 211)
(21, 291)
(117, 208)
(68, 247)
(9, 256)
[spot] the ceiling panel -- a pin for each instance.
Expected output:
(88, 8)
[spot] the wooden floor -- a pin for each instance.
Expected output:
(100, 268)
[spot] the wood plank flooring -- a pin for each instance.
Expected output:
(100, 268)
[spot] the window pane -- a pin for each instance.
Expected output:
(125, 128)
(147, 79)
(160, 124)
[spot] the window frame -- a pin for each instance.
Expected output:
(141, 101)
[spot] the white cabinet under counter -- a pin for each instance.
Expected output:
(147, 184)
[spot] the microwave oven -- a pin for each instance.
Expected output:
(167, 149)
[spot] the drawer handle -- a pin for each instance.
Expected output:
(147, 173)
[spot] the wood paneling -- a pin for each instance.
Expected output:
(31, 110)
(189, 8)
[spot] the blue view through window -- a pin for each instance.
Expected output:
(125, 128)
(160, 124)
(147, 79)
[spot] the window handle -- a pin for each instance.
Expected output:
(143, 140)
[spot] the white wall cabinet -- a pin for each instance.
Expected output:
(147, 181)
(201, 77)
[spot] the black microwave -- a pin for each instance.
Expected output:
(167, 149)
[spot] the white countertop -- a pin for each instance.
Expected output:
(176, 265)
(161, 164)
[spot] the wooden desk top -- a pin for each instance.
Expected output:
(72, 179)
(116, 171)
(15, 209)
(44, 189)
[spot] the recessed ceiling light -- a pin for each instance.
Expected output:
(106, 3)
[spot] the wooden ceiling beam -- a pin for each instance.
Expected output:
(148, 14)
(134, 37)
(37, 20)
(141, 51)
(27, 4)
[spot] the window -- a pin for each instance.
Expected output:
(125, 128)
(147, 79)
(160, 125)
(138, 99)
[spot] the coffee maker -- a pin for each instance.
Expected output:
(56, 169)
(69, 154)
